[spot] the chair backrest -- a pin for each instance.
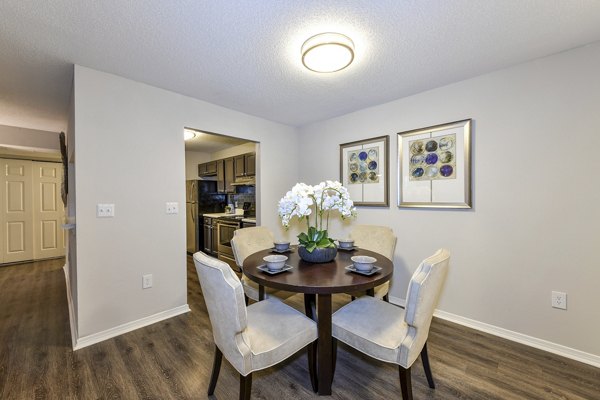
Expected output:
(246, 241)
(224, 298)
(379, 239)
(424, 291)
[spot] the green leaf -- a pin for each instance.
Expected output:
(311, 247)
(303, 237)
(324, 242)
(319, 236)
(312, 232)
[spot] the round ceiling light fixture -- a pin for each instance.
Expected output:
(327, 52)
(188, 134)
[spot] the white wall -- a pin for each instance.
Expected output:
(192, 159)
(29, 139)
(130, 152)
(533, 227)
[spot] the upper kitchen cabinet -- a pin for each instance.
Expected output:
(225, 175)
(208, 169)
(245, 165)
(220, 176)
(229, 174)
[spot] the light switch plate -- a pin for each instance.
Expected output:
(146, 281)
(172, 208)
(105, 210)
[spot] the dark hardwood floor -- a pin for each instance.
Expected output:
(173, 359)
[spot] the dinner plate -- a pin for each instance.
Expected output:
(288, 250)
(264, 268)
(375, 270)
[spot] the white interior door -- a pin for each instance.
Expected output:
(16, 212)
(48, 211)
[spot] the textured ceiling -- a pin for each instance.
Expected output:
(244, 55)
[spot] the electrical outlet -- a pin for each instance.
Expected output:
(105, 210)
(146, 281)
(172, 208)
(559, 300)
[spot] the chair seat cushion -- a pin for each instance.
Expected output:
(372, 326)
(251, 290)
(276, 331)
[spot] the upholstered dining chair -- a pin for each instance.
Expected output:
(379, 239)
(246, 241)
(254, 337)
(388, 333)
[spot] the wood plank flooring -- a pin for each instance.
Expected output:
(172, 359)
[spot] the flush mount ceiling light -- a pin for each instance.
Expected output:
(188, 134)
(327, 52)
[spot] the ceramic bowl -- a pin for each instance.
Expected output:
(282, 245)
(275, 262)
(363, 263)
(345, 243)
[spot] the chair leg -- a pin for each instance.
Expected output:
(405, 384)
(312, 365)
(246, 299)
(215, 371)
(245, 386)
(426, 366)
(386, 298)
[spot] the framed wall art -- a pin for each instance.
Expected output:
(434, 166)
(364, 171)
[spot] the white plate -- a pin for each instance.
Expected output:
(264, 268)
(375, 270)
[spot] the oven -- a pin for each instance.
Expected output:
(226, 227)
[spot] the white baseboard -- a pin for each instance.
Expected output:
(537, 343)
(72, 320)
(128, 327)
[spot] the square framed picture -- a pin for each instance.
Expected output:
(364, 171)
(434, 166)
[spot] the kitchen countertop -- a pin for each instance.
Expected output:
(217, 215)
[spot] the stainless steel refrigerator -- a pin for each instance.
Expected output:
(200, 197)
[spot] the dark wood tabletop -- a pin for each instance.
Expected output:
(331, 277)
(319, 280)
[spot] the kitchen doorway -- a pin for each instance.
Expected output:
(221, 175)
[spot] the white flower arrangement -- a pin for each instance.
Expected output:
(323, 198)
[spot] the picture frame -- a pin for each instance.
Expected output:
(364, 171)
(434, 166)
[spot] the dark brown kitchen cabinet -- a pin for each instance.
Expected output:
(250, 163)
(229, 166)
(220, 176)
(245, 165)
(229, 174)
(207, 169)
(225, 175)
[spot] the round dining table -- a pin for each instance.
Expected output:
(318, 282)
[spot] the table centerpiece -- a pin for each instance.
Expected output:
(315, 244)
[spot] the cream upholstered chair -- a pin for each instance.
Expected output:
(379, 239)
(246, 241)
(387, 332)
(254, 337)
